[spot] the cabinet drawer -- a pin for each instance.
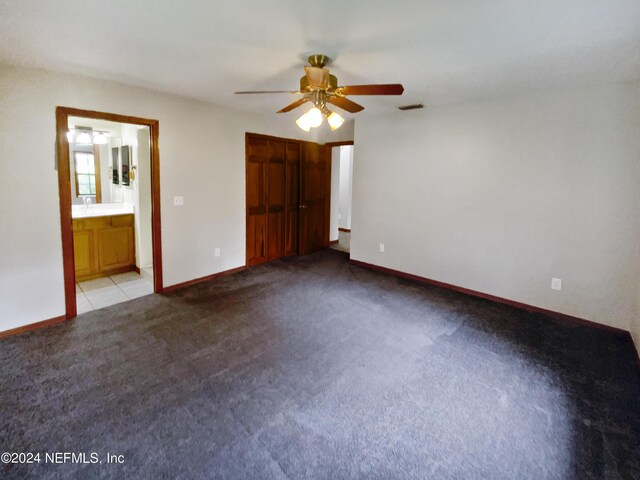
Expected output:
(121, 220)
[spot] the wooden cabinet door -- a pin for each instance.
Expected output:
(83, 252)
(275, 200)
(315, 177)
(292, 198)
(257, 161)
(116, 248)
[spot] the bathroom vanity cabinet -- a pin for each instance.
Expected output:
(103, 245)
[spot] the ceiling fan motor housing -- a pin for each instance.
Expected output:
(319, 60)
(304, 83)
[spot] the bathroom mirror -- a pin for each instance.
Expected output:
(115, 161)
(95, 162)
(103, 158)
(125, 164)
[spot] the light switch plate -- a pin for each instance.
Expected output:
(217, 252)
(178, 201)
(382, 248)
(556, 284)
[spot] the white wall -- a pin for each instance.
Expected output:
(500, 196)
(201, 158)
(335, 194)
(142, 197)
(132, 192)
(346, 175)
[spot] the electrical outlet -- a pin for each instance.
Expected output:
(217, 252)
(556, 284)
(178, 201)
(382, 248)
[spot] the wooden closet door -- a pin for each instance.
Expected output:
(275, 200)
(315, 175)
(292, 197)
(257, 163)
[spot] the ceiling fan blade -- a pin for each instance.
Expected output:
(345, 104)
(251, 92)
(318, 77)
(293, 105)
(386, 89)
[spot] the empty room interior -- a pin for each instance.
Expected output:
(292, 240)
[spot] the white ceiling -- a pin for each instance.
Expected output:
(443, 51)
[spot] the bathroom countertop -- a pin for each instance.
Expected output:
(100, 212)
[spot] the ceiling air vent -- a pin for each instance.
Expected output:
(411, 107)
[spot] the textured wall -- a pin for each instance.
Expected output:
(502, 195)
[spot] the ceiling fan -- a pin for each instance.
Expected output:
(319, 87)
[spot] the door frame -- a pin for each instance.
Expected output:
(339, 144)
(64, 187)
(343, 143)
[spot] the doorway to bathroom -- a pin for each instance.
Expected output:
(108, 177)
(341, 187)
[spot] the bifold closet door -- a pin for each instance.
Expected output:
(268, 200)
(288, 194)
(257, 162)
(275, 200)
(292, 198)
(315, 190)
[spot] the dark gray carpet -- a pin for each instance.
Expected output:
(314, 368)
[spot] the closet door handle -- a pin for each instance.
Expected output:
(302, 206)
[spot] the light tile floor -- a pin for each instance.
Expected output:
(344, 242)
(105, 291)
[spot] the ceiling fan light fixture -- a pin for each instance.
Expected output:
(303, 122)
(314, 117)
(334, 120)
(311, 119)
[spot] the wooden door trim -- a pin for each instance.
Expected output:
(327, 196)
(271, 137)
(64, 187)
(339, 144)
(33, 326)
(246, 199)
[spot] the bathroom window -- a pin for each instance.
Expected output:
(87, 175)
